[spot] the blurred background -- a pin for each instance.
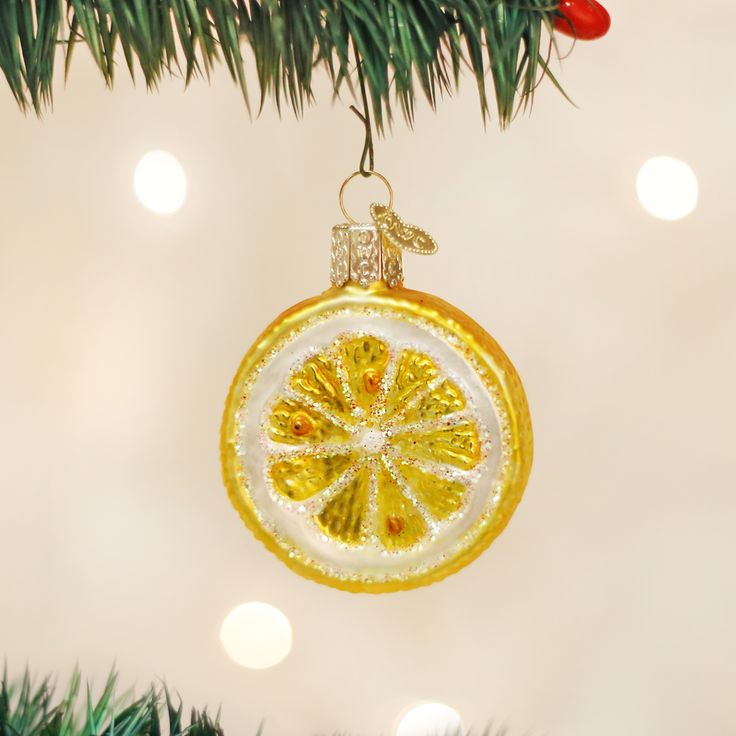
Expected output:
(606, 607)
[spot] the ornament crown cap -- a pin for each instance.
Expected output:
(364, 253)
(361, 255)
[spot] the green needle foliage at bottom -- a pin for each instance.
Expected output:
(402, 47)
(29, 708)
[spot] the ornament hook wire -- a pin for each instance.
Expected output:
(365, 118)
(352, 176)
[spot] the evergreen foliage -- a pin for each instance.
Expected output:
(399, 47)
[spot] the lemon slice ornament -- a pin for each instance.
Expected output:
(375, 438)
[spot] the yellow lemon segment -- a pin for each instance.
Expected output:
(294, 423)
(458, 446)
(302, 476)
(365, 360)
(344, 517)
(444, 399)
(413, 372)
(399, 523)
(318, 380)
(441, 497)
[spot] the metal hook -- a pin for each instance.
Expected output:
(365, 118)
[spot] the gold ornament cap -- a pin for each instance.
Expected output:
(364, 253)
(360, 255)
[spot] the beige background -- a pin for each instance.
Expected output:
(608, 605)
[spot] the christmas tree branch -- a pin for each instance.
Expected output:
(403, 47)
(32, 709)
(29, 708)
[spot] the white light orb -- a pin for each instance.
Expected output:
(160, 182)
(667, 188)
(430, 719)
(256, 635)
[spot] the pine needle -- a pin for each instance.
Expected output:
(406, 47)
(28, 708)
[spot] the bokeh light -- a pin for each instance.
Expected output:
(160, 182)
(256, 635)
(430, 719)
(667, 188)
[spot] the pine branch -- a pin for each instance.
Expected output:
(30, 709)
(406, 47)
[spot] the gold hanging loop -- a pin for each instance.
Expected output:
(352, 176)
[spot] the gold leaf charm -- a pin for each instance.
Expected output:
(401, 235)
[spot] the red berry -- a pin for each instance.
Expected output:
(583, 19)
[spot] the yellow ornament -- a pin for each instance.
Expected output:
(376, 438)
